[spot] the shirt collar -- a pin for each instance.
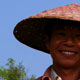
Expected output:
(54, 75)
(50, 74)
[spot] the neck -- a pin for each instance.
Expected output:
(67, 73)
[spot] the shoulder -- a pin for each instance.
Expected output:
(46, 75)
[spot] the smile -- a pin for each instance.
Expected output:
(68, 52)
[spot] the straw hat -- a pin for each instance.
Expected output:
(30, 31)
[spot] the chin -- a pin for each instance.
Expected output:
(69, 65)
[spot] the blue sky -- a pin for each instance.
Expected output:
(13, 11)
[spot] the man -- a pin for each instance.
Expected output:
(56, 32)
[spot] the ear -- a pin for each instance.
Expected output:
(47, 42)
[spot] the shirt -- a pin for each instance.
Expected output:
(54, 76)
(50, 74)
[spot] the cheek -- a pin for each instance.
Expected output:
(54, 45)
(78, 44)
(58, 42)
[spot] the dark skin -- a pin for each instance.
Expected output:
(62, 42)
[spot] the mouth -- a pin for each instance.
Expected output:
(68, 52)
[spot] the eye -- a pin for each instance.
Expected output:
(78, 35)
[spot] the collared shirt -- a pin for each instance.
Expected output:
(54, 75)
(50, 74)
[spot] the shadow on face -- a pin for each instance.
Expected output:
(63, 42)
(53, 24)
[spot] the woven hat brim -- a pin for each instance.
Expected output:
(31, 32)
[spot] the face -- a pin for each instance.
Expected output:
(64, 46)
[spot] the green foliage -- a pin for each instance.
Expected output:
(14, 72)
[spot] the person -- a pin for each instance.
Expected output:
(56, 32)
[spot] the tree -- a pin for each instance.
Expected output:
(14, 72)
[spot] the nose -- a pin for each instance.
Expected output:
(69, 43)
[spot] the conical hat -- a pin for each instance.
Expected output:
(30, 31)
